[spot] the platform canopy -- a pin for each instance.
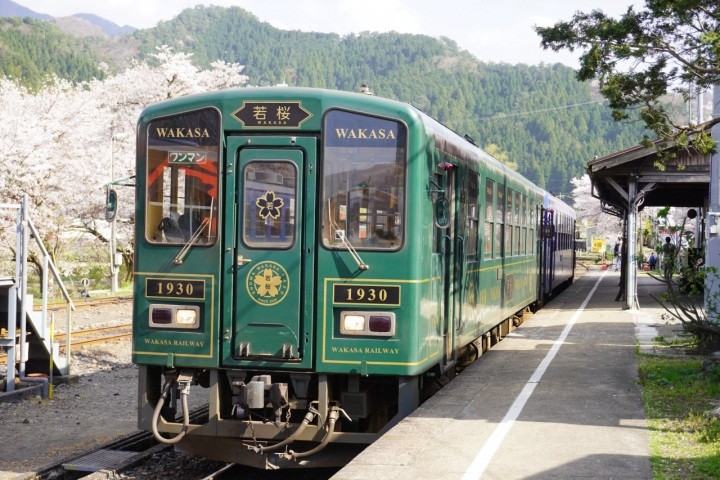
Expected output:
(685, 181)
(627, 181)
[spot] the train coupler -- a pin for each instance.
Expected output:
(181, 380)
(333, 417)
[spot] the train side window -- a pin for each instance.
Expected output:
(182, 178)
(471, 242)
(516, 219)
(567, 232)
(489, 223)
(439, 233)
(508, 223)
(532, 238)
(523, 222)
(499, 219)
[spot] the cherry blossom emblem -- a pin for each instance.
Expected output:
(267, 283)
(269, 205)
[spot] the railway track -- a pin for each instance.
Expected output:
(86, 303)
(140, 442)
(91, 336)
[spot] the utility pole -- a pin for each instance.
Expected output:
(113, 225)
(712, 250)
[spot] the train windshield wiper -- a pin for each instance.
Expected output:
(179, 259)
(340, 234)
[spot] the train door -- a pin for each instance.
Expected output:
(273, 258)
(450, 248)
(547, 252)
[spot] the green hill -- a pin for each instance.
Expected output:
(544, 119)
(30, 50)
(547, 122)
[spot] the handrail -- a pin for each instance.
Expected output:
(26, 229)
(51, 264)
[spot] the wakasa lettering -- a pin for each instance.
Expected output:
(365, 133)
(346, 349)
(182, 132)
(153, 341)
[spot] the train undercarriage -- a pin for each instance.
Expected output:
(272, 420)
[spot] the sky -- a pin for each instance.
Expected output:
(492, 30)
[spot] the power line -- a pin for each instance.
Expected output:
(499, 117)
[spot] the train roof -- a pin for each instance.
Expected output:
(321, 97)
(445, 139)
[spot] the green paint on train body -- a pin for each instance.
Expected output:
(314, 238)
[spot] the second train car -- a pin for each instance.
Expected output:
(313, 261)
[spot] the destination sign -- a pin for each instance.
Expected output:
(194, 158)
(174, 288)
(387, 295)
(271, 114)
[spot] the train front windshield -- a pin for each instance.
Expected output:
(182, 178)
(363, 181)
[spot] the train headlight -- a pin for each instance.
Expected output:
(187, 317)
(353, 323)
(174, 316)
(374, 324)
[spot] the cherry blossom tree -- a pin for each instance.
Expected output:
(33, 137)
(64, 143)
(590, 214)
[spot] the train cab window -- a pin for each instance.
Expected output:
(269, 192)
(363, 181)
(182, 178)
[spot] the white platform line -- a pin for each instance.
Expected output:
(482, 459)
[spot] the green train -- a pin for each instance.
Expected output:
(314, 263)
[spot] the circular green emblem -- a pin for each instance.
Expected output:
(267, 283)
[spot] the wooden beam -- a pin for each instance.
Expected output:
(610, 181)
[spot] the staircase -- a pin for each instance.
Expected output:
(25, 334)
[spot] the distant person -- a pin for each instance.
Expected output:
(652, 261)
(617, 251)
(668, 258)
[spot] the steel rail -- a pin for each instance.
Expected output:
(90, 341)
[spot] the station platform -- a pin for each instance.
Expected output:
(558, 398)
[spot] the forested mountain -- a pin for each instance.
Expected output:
(540, 115)
(94, 25)
(9, 8)
(546, 121)
(30, 50)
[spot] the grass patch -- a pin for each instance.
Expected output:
(685, 342)
(679, 393)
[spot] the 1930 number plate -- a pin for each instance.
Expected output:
(174, 288)
(367, 294)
